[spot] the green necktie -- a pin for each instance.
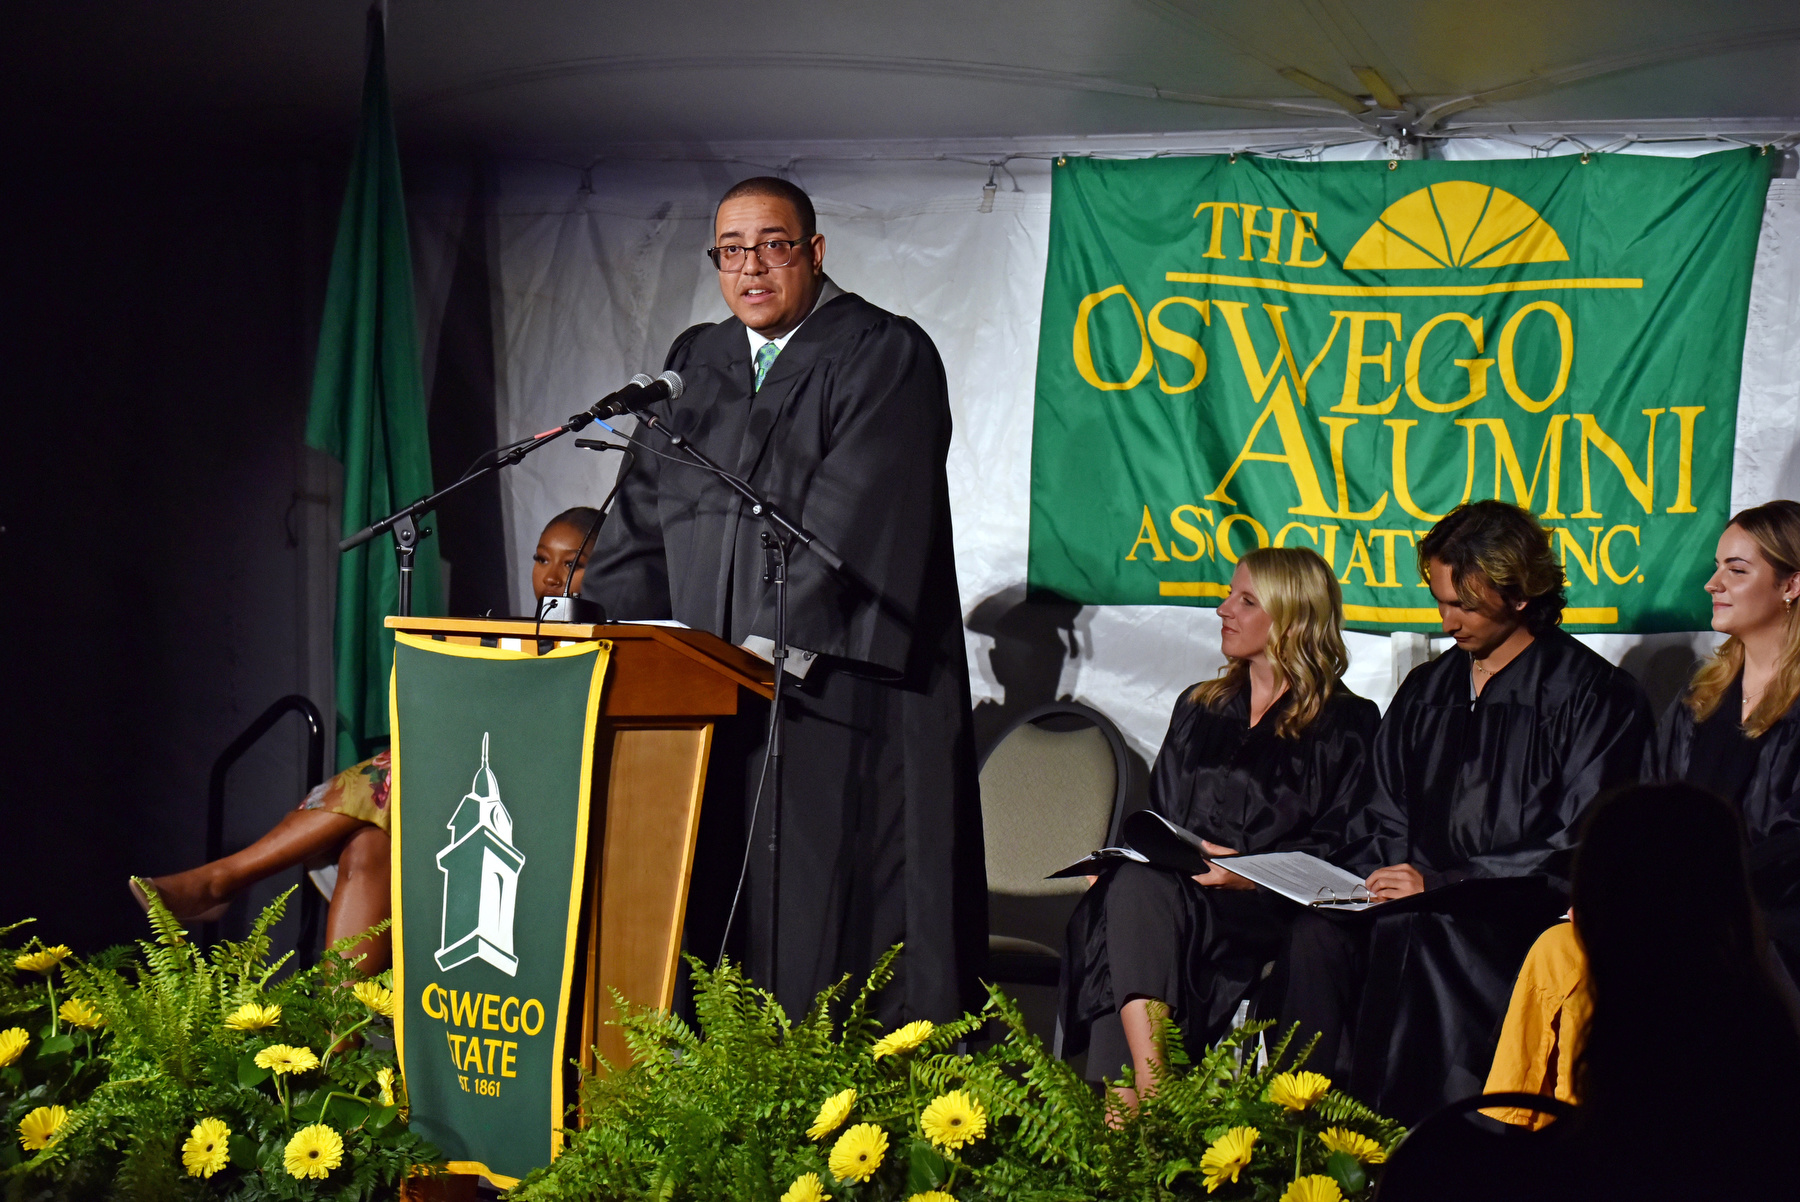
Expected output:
(765, 357)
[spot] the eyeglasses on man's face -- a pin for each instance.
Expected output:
(778, 252)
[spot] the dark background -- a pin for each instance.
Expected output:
(160, 311)
(169, 542)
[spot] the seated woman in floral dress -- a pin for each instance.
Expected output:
(340, 828)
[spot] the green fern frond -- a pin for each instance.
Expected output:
(1279, 1052)
(242, 960)
(860, 1026)
(1339, 1107)
(168, 929)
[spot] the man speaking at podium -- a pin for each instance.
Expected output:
(838, 413)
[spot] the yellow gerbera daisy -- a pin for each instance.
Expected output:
(1297, 1091)
(931, 1195)
(806, 1188)
(281, 1059)
(858, 1152)
(253, 1016)
(78, 1013)
(1316, 1188)
(380, 1000)
(1352, 1143)
(1228, 1156)
(314, 1152)
(832, 1114)
(12, 1044)
(207, 1149)
(42, 961)
(384, 1081)
(38, 1129)
(904, 1040)
(953, 1120)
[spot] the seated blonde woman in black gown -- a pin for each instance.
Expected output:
(1250, 760)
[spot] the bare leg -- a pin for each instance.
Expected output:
(363, 898)
(200, 894)
(1142, 1018)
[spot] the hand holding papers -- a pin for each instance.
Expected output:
(1302, 878)
(1152, 839)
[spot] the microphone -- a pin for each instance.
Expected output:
(641, 391)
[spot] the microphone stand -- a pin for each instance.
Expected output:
(775, 572)
(567, 607)
(404, 522)
(775, 541)
(760, 505)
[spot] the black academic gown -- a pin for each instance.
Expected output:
(1485, 799)
(1201, 950)
(881, 825)
(1761, 777)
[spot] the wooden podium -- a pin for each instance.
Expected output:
(665, 688)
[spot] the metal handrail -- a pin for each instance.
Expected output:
(215, 802)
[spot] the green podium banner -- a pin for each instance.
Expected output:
(1242, 352)
(493, 757)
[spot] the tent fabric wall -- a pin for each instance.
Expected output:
(593, 281)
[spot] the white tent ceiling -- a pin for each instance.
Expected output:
(572, 79)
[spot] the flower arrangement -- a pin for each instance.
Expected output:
(753, 1105)
(163, 1071)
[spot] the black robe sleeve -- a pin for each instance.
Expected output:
(868, 499)
(1249, 788)
(1365, 828)
(1599, 731)
(847, 435)
(1496, 788)
(628, 572)
(1768, 797)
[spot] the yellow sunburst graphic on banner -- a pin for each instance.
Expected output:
(1456, 224)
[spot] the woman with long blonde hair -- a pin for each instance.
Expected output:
(1251, 759)
(1735, 732)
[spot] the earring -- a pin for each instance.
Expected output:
(1787, 605)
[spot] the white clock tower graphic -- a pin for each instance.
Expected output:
(481, 878)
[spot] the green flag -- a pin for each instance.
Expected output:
(1241, 352)
(368, 411)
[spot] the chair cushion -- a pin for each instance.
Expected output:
(1046, 801)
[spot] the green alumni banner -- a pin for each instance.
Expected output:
(492, 757)
(1241, 352)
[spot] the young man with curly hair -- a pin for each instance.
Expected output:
(1482, 770)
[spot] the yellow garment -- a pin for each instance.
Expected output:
(360, 791)
(1544, 1026)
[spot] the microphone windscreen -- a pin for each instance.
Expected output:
(674, 383)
